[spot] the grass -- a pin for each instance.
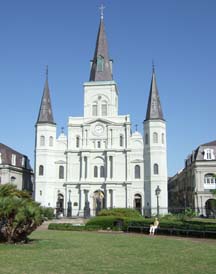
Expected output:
(62, 252)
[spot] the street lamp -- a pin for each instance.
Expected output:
(58, 204)
(157, 193)
(69, 210)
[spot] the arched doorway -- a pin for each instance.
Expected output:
(98, 201)
(138, 202)
(60, 205)
(210, 206)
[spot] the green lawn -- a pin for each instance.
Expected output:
(90, 252)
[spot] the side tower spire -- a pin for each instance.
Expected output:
(45, 113)
(45, 146)
(154, 109)
(101, 64)
(155, 154)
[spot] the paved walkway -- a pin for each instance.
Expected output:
(76, 221)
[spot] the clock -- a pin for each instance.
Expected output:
(99, 129)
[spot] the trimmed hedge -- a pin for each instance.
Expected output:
(120, 212)
(104, 221)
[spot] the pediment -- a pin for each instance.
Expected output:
(137, 161)
(100, 120)
(60, 162)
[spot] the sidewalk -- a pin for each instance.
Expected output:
(76, 221)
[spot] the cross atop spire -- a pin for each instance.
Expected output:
(101, 8)
(153, 66)
(47, 72)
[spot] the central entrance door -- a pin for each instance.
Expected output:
(98, 201)
(138, 202)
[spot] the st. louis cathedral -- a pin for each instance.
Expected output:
(101, 163)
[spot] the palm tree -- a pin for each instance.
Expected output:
(19, 214)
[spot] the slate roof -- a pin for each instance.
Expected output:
(6, 155)
(212, 143)
(154, 109)
(101, 49)
(45, 113)
(198, 153)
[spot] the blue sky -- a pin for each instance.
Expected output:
(178, 35)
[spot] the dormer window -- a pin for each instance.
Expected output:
(100, 63)
(13, 159)
(209, 154)
(23, 161)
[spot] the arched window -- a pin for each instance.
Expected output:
(61, 172)
(121, 141)
(95, 109)
(137, 172)
(77, 141)
(42, 140)
(13, 179)
(41, 170)
(99, 144)
(50, 141)
(95, 171)
(100, 63)
(102, 172)
(146, 139)
(104, 109)
(155, 138)
(162, 138)
(156, 169)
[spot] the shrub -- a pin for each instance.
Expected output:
(19, 214)
(103, 222)
(120, 212)
(47, 213)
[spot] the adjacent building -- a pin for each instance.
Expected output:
(15, 168)
(193, 186)
(101, 163)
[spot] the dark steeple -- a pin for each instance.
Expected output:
(101, 69)
(154, 110)
(45, 114)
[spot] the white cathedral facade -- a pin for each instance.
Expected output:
(101, 163)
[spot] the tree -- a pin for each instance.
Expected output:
(19, 214)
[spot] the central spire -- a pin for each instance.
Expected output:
(101, 68)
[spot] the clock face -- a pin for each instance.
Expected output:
(99, 129)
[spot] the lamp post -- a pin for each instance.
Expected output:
(157, 193)
(58, 204)
(69, 210)
(184, 196)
